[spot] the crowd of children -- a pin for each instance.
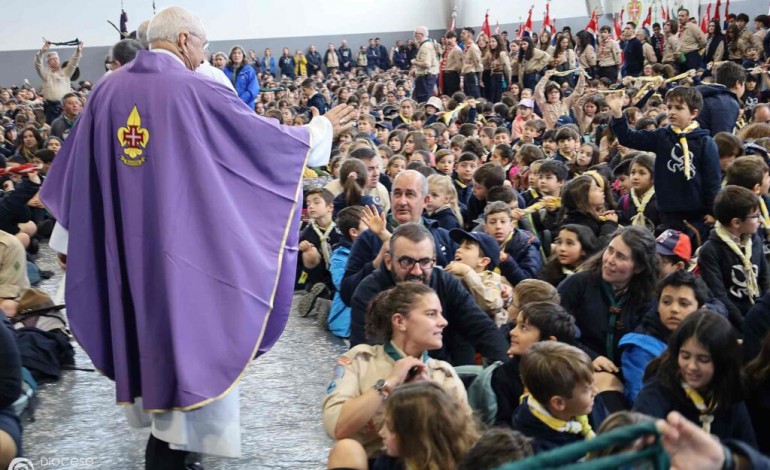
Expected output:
(618, 243)
(612, 231)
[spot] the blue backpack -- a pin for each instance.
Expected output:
(28, 392)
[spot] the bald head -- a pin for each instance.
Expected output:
(410, 189)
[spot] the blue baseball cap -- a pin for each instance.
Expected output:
(489, 246)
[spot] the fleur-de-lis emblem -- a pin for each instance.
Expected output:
(133, 138)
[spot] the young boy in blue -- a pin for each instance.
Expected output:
(679, 295)
(687, 173)
(519, 250)
(560, 382)
(350, 225)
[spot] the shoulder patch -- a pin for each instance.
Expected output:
(339, 372)
(344, 361)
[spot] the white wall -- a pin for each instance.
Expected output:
(224, 19)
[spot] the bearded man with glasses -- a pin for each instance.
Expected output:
(411, 257)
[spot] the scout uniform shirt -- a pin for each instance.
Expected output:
(472, 59)
(356, 373)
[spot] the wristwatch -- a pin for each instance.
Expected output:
(382, 387)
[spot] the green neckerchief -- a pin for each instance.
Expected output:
(616, 306)
(396, 355)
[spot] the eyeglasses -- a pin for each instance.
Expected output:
(408, 263)
(205, 43)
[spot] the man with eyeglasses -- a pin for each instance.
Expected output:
(175, 284)
(408, 196)
(411, 257)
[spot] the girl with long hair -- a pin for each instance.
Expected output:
(700, 376)
(573, 245)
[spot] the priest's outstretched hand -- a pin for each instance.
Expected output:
(340, 117)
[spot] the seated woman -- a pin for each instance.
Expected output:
(408, 319)
(608, 299)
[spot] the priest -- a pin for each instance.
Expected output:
(180, 208)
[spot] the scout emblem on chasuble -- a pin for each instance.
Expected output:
(133, 138)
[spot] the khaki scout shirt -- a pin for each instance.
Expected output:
(358, 370)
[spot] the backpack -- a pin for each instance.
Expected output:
(481, 396)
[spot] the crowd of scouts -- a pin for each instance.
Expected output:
(589, 251)
(524, 242)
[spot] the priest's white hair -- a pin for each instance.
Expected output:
(169, 22)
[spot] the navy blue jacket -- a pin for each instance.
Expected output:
(730, 422)
(755, 327)
(446, 218)
(524, 260)
(464, 191)
(469, 328)
(582, 297)
(319, 102)
(720, 109)
(346, 56)
(314, 62)
(633, 58)
(286, 65)
(723, 272)
(508, 388)
(367, 246)
(245, 83)
(673, 192)
(543, 437)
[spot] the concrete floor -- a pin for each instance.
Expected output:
(281, 398)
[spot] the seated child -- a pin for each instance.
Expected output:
(679, 295)
(730, 148)
(587, 156)
(536, 321)
(477, 254)
(530, 173)
(548, 142)
(519, 250)
(445, 162)
(441, 204)
(353, 176)
(488, 176)
(467, 163)
(674, 251)
(583, 203)
(751, 172)
(622, 176)
(495, 448)
(525, 112)
(732, 261)
(700, 376)
(533, 134)
(350, 226)
(545, 212)
(567, 140)
(560, 382)
(503, 156)
(639, 206)
(573, 245)
(318, 238)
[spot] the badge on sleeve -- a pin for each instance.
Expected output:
(339, 372)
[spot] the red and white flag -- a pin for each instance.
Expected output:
(485, 27)
(593, 24)
(526, 26)
(497, 27)
(704, 21)
(648, 21)
(547, 26)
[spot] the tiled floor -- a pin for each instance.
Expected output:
(280, 408)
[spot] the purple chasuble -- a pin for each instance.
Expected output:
(181, 206)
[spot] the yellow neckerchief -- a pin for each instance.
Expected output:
(406, 121)
(745, 256)
(641, 205)
(554, 203)
(765, 219)
(461, 184)
(567, 271)
(682, 134)
(309, 173)
(502, 249)
(533, 192)
(579, 425)
(706, 412)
